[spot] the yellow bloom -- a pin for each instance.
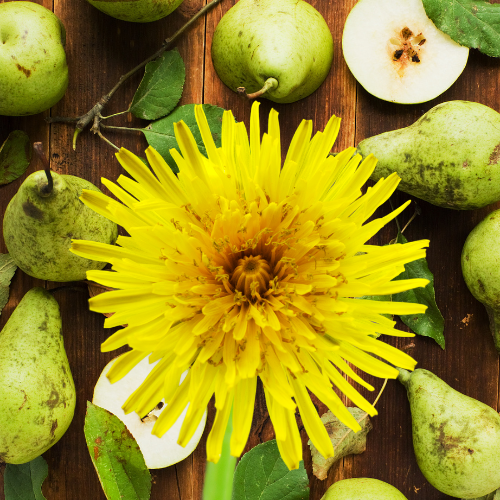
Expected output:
(239, 268)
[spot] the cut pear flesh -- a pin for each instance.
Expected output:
(158, 452)
(396, 52)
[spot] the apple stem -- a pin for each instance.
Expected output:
(95, 113)
(270, 83)
(47, 189)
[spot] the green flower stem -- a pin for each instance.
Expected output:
(218, 483)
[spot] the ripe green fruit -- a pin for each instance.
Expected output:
(33, 69)
(396, 52)
(37, 393)
(449, 157)
(362, 488)
(39, 224)
(288, 63)
(136, 11)
(481, 268)
(456, 438)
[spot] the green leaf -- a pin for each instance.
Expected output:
(161, 87)
(7, 270)
(116, 456)
(473, 23)
(218, 484)
(24, 481)
(261, 474)
(15, 156)
(160, 134)
(345, 441)
(431, 323)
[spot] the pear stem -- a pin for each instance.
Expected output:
(270, 83)
(94, 115)
(47, 189)
(404, 376)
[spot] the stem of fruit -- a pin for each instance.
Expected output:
(47, 189)
(270, 83)
(94, 115)
(404, 376)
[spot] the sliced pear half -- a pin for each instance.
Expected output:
(158, 452)
(396, 52)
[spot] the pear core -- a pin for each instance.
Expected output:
(157, 452)
(396, 52)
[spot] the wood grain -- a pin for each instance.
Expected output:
(99, 50)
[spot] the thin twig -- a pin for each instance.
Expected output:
(107, 140)
(94, 115)
(127, 129)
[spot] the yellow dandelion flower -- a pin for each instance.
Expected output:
(240, 268)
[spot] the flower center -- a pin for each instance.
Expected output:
(251, 276)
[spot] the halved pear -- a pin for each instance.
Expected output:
(158, 452)
(396, 52)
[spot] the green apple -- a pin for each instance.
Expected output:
(136, 11)
(33, 69)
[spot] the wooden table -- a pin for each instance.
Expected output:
(100, 49)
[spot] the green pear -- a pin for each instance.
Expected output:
(481, 268)
(283, 64)
(37, 393)
(450, 157)
(40, 222)
(456, 438)
(137, 11)
(362, 488)
(33, 69)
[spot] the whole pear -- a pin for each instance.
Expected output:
(362, 488)
(33, 69)
(449, 157)
(37, 393)
(284, 48)
(136, 11)
(481, 268)
(40, 222)
(456, 438)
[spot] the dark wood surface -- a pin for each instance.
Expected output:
(99, 50)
